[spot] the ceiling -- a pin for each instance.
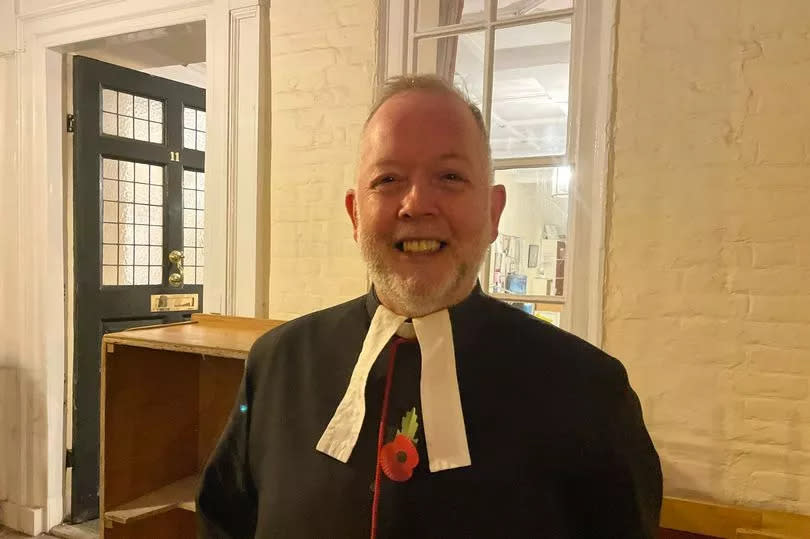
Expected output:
(473, 10)
(530, 86)
(173, 52)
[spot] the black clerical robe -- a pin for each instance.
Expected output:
(555, 433)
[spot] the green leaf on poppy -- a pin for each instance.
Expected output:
(410, 425)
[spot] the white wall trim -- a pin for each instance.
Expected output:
(245, 269)
(20, 517)
(592, 91)
(62, 9)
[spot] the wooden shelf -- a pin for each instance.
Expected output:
(178, 495)
(211, 335)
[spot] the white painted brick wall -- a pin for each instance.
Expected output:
(323, 62)
(708, 256)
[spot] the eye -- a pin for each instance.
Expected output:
(382, 180)
(452, 177)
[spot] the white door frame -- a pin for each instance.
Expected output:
(237, 102)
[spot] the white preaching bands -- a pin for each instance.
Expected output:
(442, 418)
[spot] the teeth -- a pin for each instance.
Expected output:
(420, 246)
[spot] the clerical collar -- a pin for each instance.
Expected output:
(442, 416)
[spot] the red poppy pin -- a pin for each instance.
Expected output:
(399, 457)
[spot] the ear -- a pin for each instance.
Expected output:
(351, 209)
(497, 202)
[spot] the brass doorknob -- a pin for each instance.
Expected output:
(176, 278)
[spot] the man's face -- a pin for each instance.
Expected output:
(424, 211)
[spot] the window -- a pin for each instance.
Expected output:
(524, 62)
(514, 59)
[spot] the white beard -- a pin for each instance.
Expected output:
(408, 297)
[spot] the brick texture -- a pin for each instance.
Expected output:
(708, 256)
(323, 62)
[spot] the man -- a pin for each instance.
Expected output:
(426, 408)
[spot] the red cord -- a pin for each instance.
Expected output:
(381, 434)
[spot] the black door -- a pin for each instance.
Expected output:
(138, 185)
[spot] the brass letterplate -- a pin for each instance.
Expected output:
(174, 302)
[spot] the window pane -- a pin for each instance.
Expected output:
(124, 104)
(530, 90)
(109, 189)
(109, 168)
(109, 100)
(201, 120)
(109, 124)
(125, 275)
(141, 173)
(155, 274)
(189, 139)
(141, 214)
(109, 276)
(528, 257)
(142, 193)
(189, 237)
(189, 118)
(131, 252)
(189, 179)
(456, 58)
(141, 130)
(127, 170)
(189, 275)
(156, 175)
(155, 110)
(189, 220)
(189, 198)
(434, 13)
(156, 133)
(141, 108)
(141, 275)
(201, 141)
(124, 126)
(515, 8)
(155, 255)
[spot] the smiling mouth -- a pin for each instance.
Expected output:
(420, 246)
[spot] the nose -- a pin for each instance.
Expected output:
(419, 200)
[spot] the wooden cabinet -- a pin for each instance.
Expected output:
(166, 394)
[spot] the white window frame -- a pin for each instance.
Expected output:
(589, 135)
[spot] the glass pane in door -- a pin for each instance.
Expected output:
(194, 131)
(131, 116)
(132, 223)
(193, 225)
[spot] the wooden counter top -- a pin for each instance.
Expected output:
(213, 335)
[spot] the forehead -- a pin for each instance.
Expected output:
(422, 124)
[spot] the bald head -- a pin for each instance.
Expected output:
(431, 84)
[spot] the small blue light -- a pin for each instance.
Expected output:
(243, 408)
